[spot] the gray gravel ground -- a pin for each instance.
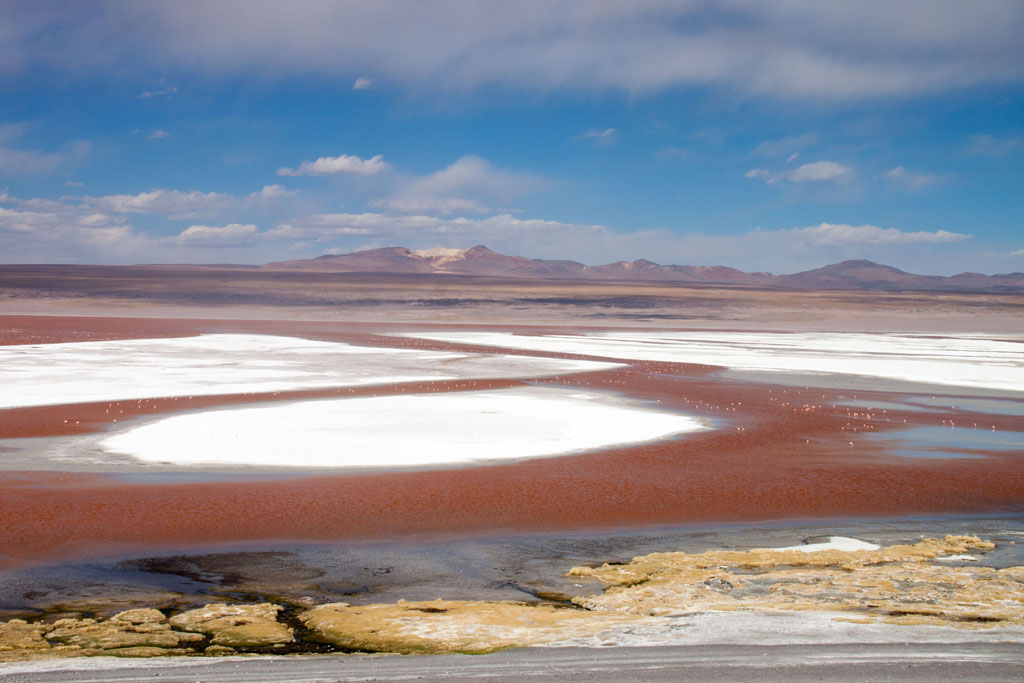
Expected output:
(834, 662)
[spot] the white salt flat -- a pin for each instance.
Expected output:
(49, 374)
(402, 431)
(955, 360)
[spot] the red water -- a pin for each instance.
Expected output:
(778, 452)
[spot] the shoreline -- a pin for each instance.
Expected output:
(485, 566)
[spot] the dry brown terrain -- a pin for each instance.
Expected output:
(212, 292)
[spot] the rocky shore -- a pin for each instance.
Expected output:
(930, 583)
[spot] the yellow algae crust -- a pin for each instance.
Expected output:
(895, 584)
(145, 633)
(236, 625)
(455, 625)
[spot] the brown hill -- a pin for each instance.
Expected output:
(481, 261)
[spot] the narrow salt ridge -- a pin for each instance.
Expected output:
(48, 374)
(402, 431)
(957, 360)
(833, 543)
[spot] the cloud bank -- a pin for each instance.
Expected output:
(786, 48)
(834, 235)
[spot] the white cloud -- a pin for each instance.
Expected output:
(98, 229)
(231, 235)
(788, 146)
(837, 234)
(474, 174)
(1019, 252)
(362, 83)
(158, 134)
(444, 206)
(46, 231)
(499, 229)
(343, 164)
(818, 170)
(73, 183)
(173, 203)
(813, 172)
(910, 181)
(469, 185)
(272, 193)
(992, 146)
(162, 90)
(15, 161)
(11, 131)
(182, 205)
(597, 136)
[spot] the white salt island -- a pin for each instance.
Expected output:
(402, 431)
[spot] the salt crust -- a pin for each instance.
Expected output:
(957, 360)
(48, 374)
(833, 543)
(402, 431)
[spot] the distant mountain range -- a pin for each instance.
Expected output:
(482, 261)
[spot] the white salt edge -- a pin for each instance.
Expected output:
(957, 558)
(49, 374)
(402, 431)
(843, 543)
(957, 360)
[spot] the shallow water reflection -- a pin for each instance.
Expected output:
(952, 442)
(974, 405)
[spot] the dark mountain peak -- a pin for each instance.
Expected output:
(480, 251)
(857, 265)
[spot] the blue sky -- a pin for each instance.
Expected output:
(766, 136)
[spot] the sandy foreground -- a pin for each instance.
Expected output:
(773, 451)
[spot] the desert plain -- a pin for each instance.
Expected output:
(233, 462)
